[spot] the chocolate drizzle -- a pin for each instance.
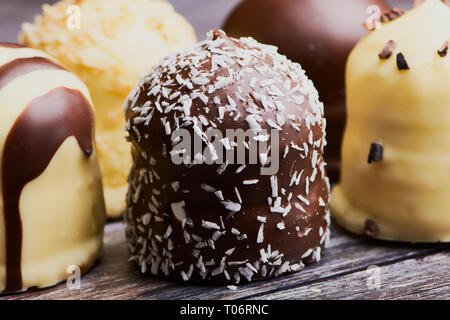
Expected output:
(22, 66)
(11, 45)
(29, 147)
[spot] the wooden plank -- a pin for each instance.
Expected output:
(417, 278)
(346, 254)
(115, 278)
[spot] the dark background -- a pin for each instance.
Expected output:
(204, 15)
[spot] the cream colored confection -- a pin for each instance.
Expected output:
(116, 42)
(405, 196)
(62, 211)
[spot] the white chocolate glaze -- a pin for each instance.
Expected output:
(408, 112)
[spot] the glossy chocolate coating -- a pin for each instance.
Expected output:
(210, 243)
(22, 66)
(318, 34)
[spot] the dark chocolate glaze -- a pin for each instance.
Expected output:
(201, 205)
(29, 147)
(11, 45)
(318, 34)
(22, 66)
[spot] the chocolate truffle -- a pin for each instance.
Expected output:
(405, 113)
(52, 208)
(226, 220)
(318, 34)
(113, 43)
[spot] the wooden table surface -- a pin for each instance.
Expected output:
(352, 267)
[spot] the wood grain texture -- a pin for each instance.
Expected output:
(422, 270)
(414, 278)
